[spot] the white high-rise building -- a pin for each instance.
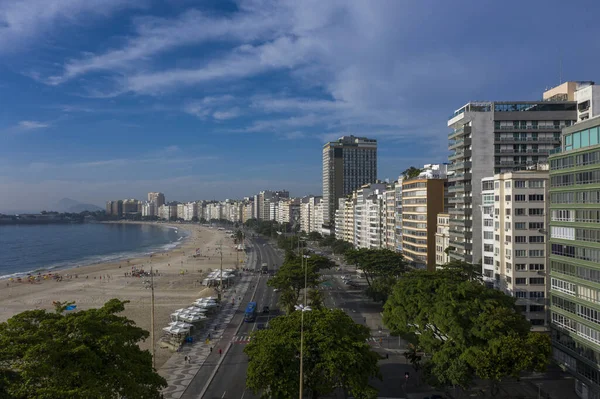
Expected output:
(311, 213)
(442, 239)
(520, 242)
(490, 271)
(158, 199)
(148, 209)
(389, 213)
(496, 137)
(368, 225)
(190, 210)
(348, 163)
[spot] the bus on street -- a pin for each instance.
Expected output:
(250, 313)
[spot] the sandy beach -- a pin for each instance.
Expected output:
(177, 285)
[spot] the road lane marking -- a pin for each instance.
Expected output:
(223, 394)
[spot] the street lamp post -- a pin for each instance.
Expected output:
(302, 308)
(221, 277)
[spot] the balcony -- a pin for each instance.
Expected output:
(530, 128)
(465, 199)
(457, 155)
(460, 165)
(455, 243)
(459, 177)
(459, 188)
(461, 222)
(456, 255)
(528, 139)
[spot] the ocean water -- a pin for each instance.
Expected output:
(32, 248)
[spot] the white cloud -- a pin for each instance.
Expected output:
(229, 114)
(25, 20)
(157, 35)
(32, 125)
(218, 107)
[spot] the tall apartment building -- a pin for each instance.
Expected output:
(287, 209)
(263, 201)
(348, 163)
(190, 210)
(368, 221)
(389, 213)
(496, 137)
(344, 219)
(442, 239)
(489, 271)
(148, 209)
(168, 211)
(311, 214)
(575, 254)
(520, 220)
(247, 212)
(398, 214)
(158, 199)
(422, 200)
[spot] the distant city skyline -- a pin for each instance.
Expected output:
(221, 99)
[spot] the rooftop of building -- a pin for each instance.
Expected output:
(351, 140)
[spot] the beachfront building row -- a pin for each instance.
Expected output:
(494, 137)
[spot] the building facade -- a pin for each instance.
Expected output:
(398, 213)
(348, 163)
(496, 137)
(575, 255)
(368, 221)
(158, 199)
(389, 210)
(423, 199)
(489, 271)
(442, 239)
(520, 244)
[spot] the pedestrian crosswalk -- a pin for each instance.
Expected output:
(241, 339)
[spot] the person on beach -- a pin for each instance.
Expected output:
(186, 359)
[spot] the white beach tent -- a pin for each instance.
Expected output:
(176, 330)
(192, 318)
(180, 324)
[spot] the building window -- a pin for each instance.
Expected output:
(536, 239)
(536, 211)
(536, 266)
(536, 184)
(521, 294)
(536, 308)
(520, 226)
(488, 235)
(520, 253)
(507, 198)
(520, 267)
(519, 211)
(520, 197)
(536, 253)
(507, 184)
(520, 281)
(520, 184)
(521, 239)
(536, 225)
(536, 197)
(536, 281)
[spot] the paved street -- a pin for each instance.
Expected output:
(225, 376)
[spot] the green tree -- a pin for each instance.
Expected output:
(377, 263)
(83, 354)
(469, 330)
(336, 355)
(291, 276)
(314, 236)
(411, 172)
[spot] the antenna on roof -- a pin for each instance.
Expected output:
(560, 68)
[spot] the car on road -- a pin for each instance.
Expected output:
(266, 309)
(276, 290)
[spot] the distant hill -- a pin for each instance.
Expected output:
(72, 206)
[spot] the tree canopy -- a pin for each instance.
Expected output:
(290, 276)
(336, 355)
(467, 329)
(84, 354)
(411, 172)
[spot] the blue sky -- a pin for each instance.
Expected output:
(104, 99)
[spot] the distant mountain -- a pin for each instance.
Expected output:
(72, 206)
